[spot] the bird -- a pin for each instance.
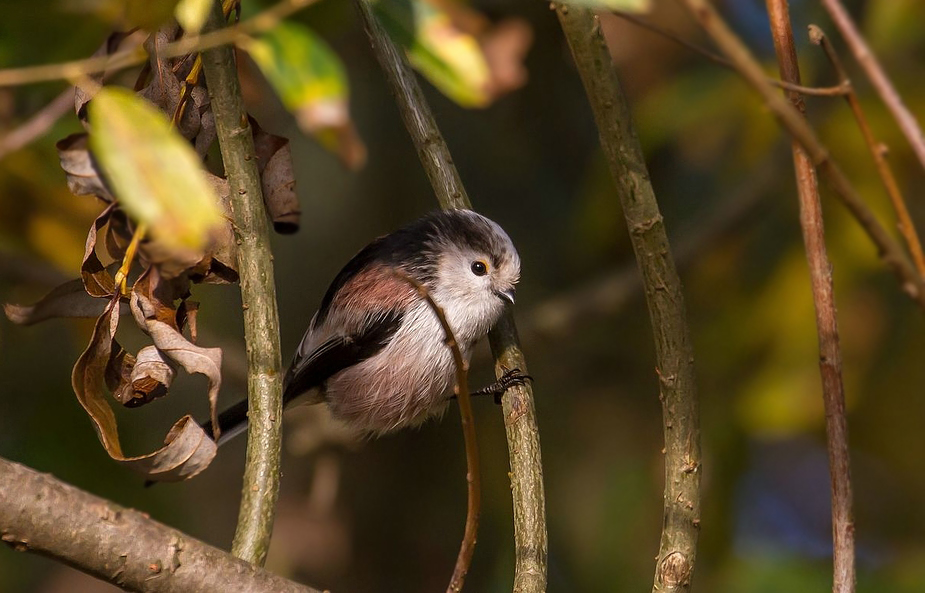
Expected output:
(375, 352)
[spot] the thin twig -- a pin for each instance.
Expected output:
(38, 124)
(832, 91)
(890, 251)
(124, 547)
(820, 272)
(517, 403)
(877, 151)
(677, 552)
(873, 69)
(258, 294)
(473, 473)
(75, 69)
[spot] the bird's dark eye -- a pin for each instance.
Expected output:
(479, 268)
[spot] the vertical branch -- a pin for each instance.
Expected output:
(517, 403)
(877, 76)
(820, 271)
(258, 293)
(680, 530)
(877, 151)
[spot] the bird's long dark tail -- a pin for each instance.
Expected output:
(232, 422)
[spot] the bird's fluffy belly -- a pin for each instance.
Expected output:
(403, 386)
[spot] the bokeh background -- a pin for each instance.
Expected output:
(387, 515)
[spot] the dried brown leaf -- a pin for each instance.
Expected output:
(150, 378)
(84, 93)
(505, 46)
(83, 176)
(68, 300)
(158, 320)
(97, 280)
(187, 449)
(274, 161)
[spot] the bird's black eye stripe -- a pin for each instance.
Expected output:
(479, 268)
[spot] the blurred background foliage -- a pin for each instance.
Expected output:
(387, 515)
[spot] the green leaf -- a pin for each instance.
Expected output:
(450, 59)
(624, 5)
(155, 173)
(312, 83)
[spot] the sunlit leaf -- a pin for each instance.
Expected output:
(312, 83)
(155, 173)
(450, 59)
(192, 14)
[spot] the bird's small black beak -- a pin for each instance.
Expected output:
(506, 295)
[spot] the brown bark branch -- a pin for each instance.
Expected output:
(42, 515)
(873, 69)
(681, 526)
(38, 124)
(517, 403)
(258, 295)
(877, 151)
(832, 91)
(820, 272)
(473, 473)
(789, 118)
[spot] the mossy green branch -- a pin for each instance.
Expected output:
(258, 294)
(677, 390)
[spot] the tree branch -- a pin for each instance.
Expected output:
(43, 515)
(258, 294)
(820, 272)
(877, 151)
(832, 91)
(38, 124)
(877, 76)
(72, 70)
(517, 403)
(788, 117)
(678, 547)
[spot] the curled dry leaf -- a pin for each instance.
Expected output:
(68, 300)
(158, 319)
(274, 161)
(187, 449)
(83, 93)
(150, 378)
(98, 281)
(83, 176)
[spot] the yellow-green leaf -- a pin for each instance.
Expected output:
(192, 14)
(449, 58)
(155, 173)
(312, 83)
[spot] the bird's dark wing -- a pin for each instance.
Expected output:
(338, 353)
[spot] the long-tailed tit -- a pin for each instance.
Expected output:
(375, 352)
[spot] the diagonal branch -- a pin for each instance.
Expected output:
(517, 403)
(832, 91)
(258, 294)
(43, 515)
(680, 409)
(791, 120)
(877, 151)
(820, 272)
(873, 69)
